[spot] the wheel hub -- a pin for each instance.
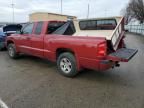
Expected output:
(11, 52)
(65, 65)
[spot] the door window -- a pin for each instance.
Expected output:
(38, 28)
(53, 26)
(28, 29)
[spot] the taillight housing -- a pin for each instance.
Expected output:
(102, 49)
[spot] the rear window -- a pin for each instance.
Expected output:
(106, 24)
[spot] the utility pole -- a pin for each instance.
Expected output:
(13, 17)
(88, 12)
(61, 6)
(88, 9)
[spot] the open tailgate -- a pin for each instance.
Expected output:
(123, 55)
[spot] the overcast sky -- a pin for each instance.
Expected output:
(98, 8)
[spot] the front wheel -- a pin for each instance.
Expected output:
(12, 51)
(66, 64)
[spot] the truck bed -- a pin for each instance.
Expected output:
(96, 33)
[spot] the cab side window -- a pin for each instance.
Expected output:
(53, 26)
(38, 29)
(28, 29)
(61, 28)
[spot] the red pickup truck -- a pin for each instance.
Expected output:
(74, 44)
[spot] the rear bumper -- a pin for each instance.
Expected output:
(95, 64)
(106, 64)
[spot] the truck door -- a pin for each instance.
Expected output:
(37, 40)
(25, 39)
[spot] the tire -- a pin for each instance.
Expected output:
(66, 64)
(12, 51)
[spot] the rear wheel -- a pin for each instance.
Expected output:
(66, 64)
(12, 51)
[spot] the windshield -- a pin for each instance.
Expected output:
(103, 24)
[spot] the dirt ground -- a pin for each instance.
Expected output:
(30, 82)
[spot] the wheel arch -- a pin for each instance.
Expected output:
(9, 42)
(63, 50)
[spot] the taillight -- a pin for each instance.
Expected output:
(102, 49)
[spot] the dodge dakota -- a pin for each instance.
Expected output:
(74, 44)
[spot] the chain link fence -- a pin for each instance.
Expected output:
(138, 29)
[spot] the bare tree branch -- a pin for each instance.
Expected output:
(135, 10)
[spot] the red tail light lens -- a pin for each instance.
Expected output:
(102, 49)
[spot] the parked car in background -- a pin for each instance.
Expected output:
(2, 40)
(11, 29)
(7, 31)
